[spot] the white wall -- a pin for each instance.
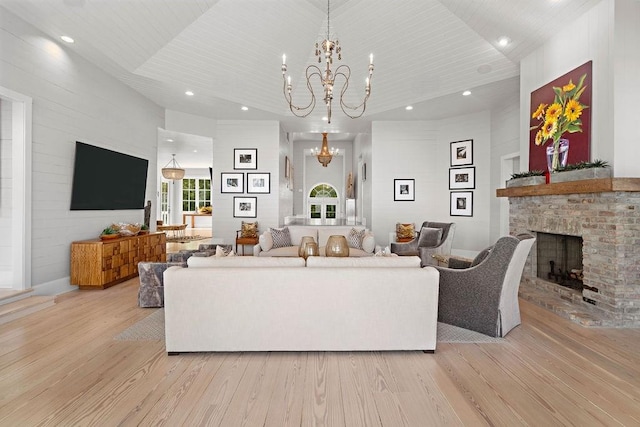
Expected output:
(505, 129)
(265, 136)
(609, 35)
(420, 151)
(362, 154)
(285, 193)
(72, 101)
(6, 185)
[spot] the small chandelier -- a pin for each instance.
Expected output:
(173, 172)
(327, 78)
(324, 154)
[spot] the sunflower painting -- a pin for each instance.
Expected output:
(560, 121)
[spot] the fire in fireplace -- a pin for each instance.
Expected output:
(560, 259)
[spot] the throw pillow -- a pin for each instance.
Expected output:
(281, 237)
(429, 237)
(355, 237)
(368, 243)
(249, 230)
(405, 232)
(220, 251)
(266, 241)
(481, 256)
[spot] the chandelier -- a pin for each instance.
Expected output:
(175, 171)
(327, 77)
(324, 154)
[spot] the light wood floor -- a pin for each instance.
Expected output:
(62, 367)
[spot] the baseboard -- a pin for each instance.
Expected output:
(55, 287)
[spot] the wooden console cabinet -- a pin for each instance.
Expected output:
(98, 264)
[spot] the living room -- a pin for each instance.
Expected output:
(69, 98)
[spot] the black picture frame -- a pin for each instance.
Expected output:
(461, 153)
(245, 207)
(258, 182)
(461, 203)
(232, 182)
(245, 158)
(404, 190)
(462, 178)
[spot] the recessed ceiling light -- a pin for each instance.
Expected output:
(188, 93)
(504, 41)
(195, 151)
(409, 107)
(67, 39)
(325, 118)
(243, 108)
(169, 140)
(466, 93)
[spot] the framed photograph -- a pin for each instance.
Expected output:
(231, 182)
(245, 207)
(259, 182)
(462, 153)
(462, 178)
(287, 166)
(461, 203)
(245, 158)
(404, 190)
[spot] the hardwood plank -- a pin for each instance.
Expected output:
(285, 408)
(62, 366)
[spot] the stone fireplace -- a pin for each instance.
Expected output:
(604, 214)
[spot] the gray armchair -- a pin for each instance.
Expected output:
(429, 243)
(483, 297)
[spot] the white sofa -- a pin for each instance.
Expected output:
(320, 234)
(300, 309)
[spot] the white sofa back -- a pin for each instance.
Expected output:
(244, 261)
(297, 309)
(368, 262)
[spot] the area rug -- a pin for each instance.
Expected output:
(184, 239)
(151, 328)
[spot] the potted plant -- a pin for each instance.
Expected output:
(521, 179)
(109, 233)
(144, 229)
(582, 170)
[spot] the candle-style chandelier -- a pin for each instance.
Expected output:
(327, 77)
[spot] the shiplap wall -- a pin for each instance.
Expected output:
(72, 101)
(420, 151)
(5, 188)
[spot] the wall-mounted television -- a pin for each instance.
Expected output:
(107, 180)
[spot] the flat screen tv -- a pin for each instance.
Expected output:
(107, 180)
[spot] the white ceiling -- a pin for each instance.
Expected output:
(229, 52)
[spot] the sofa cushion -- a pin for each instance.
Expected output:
(429, 236)
(325, 232)
(281, 237)
(249, 230)
(266, 241)
(405, 232)
(291, 251)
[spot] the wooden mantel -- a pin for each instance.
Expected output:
(600, 185)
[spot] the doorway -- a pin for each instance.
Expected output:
(323, 202)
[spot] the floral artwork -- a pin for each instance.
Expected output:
(561, 121)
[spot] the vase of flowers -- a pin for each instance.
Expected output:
(560, 118)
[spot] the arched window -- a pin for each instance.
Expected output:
(323, 202)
